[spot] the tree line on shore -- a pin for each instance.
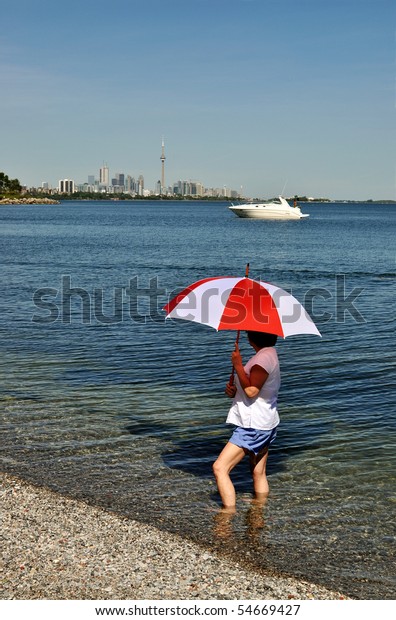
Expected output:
(9, 187)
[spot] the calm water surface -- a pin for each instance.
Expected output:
(107, 402)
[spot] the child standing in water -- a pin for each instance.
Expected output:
(254, 414)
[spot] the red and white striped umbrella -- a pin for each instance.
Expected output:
(241, 304)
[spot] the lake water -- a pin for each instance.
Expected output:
(110, 403)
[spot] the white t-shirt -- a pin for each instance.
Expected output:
(260, 412)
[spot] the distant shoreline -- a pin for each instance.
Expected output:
(45, 200)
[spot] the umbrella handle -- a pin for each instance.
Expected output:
(232, 376)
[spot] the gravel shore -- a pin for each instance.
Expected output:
(53, 547)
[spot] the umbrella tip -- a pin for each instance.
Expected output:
(247, 270)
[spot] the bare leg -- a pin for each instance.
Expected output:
(258, 464)
(230, 456)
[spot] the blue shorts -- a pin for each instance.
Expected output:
(252, 439)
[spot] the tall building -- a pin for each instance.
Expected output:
(120, 177)
(197, 189)
(104, 175)
(118, 183)
(163, 168)
(66, 186)
(130, 184)
(140, 185)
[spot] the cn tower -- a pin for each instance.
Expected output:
(163, 168)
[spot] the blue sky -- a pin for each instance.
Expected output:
(258, 94)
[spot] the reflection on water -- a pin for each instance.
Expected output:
(253, 518)
(223, 522)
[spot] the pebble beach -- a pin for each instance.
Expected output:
(57, 548)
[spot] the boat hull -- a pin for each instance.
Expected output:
(258, 214)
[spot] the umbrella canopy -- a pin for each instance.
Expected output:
(241, 304)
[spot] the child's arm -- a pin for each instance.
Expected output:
(252, 384)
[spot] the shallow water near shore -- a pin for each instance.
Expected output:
(126, 411)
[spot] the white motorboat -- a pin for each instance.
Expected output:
(269, 210)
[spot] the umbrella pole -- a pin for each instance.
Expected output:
(232, 376)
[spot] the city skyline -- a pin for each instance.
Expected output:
(256, 94)
(135, 184)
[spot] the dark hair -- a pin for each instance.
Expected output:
(262, 339)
